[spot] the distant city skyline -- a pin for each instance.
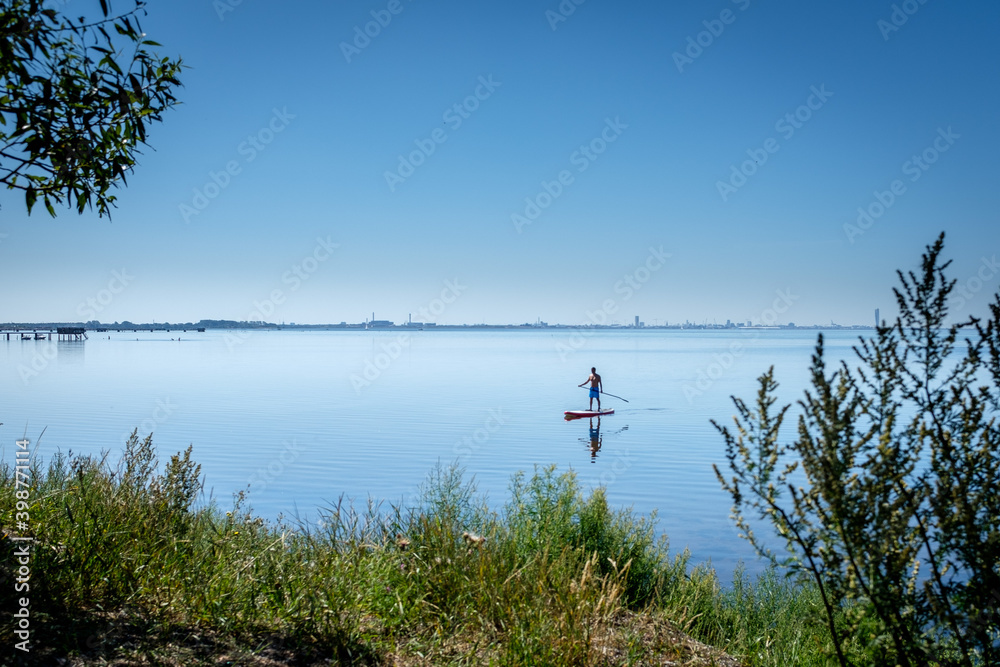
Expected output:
(635, 323)
(470, 162)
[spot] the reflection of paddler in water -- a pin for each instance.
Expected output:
(595, 438)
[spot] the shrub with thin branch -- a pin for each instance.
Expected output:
(889, 497)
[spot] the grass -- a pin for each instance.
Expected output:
(127, 568)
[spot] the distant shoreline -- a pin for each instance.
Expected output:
(30, 327)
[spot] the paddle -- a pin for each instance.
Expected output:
(607, 394)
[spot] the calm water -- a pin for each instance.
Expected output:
(304, 417)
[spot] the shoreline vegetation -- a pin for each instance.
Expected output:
(130, 567)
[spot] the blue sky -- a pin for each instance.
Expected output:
(502, 162)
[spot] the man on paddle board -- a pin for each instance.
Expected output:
(595, 388)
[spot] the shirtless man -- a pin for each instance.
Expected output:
(595, 388)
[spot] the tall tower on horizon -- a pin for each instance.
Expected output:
(878, 322)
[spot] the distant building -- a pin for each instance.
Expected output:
(878, 321)
(636, 321)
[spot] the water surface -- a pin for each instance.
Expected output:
(300, 418)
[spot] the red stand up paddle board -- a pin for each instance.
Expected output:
(580, 414)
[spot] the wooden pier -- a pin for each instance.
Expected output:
(138, 329)
(61, 333)
(79, 333)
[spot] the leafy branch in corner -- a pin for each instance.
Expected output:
(76, 102)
